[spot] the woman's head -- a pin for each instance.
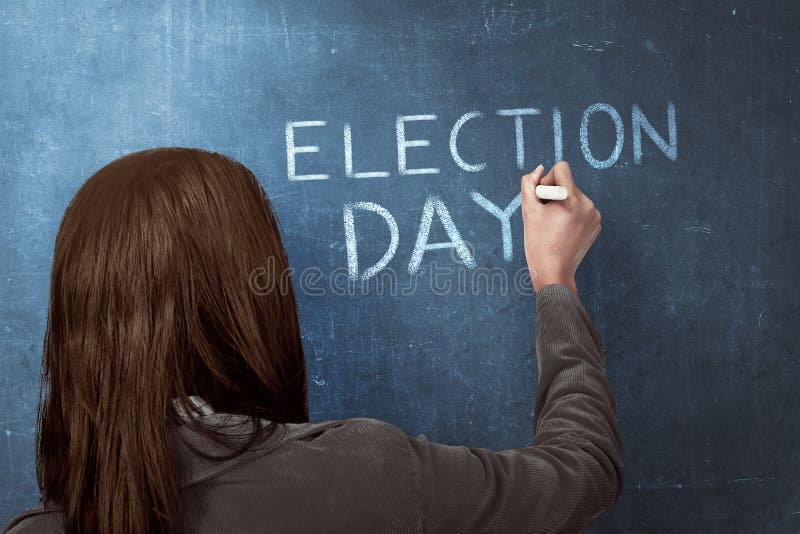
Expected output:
(150, 300)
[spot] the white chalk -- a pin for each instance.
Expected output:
(551, 192)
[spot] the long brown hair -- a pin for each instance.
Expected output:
(151, 299)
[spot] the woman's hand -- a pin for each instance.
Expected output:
(558, 233)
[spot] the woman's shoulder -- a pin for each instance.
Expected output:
(360, 447)
(361, 463)
(36, 520)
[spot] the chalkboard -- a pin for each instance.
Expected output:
(398, 131)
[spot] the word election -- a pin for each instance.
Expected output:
(435, 206)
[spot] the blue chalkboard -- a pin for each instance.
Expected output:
(392, 135)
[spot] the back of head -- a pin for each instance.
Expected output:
(151, 299)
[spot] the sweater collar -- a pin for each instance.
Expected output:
(197, 404)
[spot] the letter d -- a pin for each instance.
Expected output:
(352, 245)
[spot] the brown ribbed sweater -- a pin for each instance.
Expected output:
(365, 475)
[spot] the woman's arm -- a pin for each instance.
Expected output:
(573, 469)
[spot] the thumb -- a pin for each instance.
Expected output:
(529, 183)
(549, 178)
(562, 175)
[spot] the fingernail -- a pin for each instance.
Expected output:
(539, 167)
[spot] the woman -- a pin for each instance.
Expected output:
(176, 395)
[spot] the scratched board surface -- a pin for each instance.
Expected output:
(391, 140)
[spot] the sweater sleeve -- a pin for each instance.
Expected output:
(573, 469)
